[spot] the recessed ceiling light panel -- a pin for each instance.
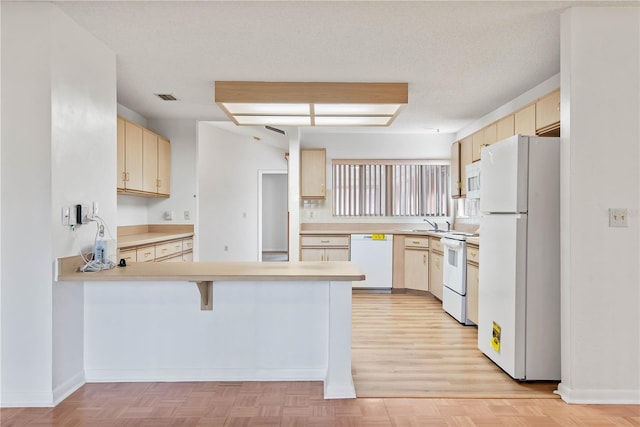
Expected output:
(270, 109)
(273, 120)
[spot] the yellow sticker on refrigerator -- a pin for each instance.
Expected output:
(495, 337)
(378, 237)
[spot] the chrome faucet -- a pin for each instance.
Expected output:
(433, 224)
(448, 225)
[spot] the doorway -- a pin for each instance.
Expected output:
(273, 226)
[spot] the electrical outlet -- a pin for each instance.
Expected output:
(168, 215)
(226, 248)
(187, 215)
(618, 217)
(95, 209)
(66, 216)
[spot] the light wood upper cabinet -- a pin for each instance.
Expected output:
(164, 166)
(477, 143)
(525, 121)
(455, 170)
(149, 161)
(505, 128)
(466, 158)
(122, 171)
(490, 135)
(144, 161)
(313, 165)
(132, 156)
(548, 113)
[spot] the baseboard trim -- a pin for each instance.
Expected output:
(63, 391)
(344, 391)
(599, 396)
(26, 400)
(220, 374)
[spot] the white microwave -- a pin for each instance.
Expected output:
(473, 180)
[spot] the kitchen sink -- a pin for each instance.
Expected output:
(430, 231)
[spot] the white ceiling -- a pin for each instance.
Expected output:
(461, 59)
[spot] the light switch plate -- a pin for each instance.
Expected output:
(618, 217)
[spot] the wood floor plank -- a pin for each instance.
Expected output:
(405, 345)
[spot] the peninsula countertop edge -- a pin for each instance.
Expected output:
(310, 271)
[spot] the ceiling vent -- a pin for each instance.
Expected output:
(166, 97)
(275, 129)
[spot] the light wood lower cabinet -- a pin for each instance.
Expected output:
(416, 263)
(324, 248)
(473, 269)
(436, 260)
(172, 251)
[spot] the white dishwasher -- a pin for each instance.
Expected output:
(373, 253)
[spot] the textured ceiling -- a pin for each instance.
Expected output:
(461, 59)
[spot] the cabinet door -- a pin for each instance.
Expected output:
(504, 128)
(472, 292)
(128, 255)
(313, 173)
(149, 161)
(336, 254)
(121, 155)
(490, 135)
(524, 121)
(455, 170)
(476, 144)
(164, 166)
(435, 274)
(416, 270)
(548, 111)
(133, 156)
(466, 146)
(311, 254)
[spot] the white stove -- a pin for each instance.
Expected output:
(454, 291)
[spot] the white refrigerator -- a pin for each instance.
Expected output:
(519, 287)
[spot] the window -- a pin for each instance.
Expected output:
(390, 188)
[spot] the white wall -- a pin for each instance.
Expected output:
(183, 137)
(369, 146)
(274, 212)
(58, 136)
(228, 166)
(600, 136)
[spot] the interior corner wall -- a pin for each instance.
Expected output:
(228, 166)
(58, 94)
(600, 134)
(26, 206)
(274, 212)
(83, 129)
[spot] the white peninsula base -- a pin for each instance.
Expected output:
(257, 331)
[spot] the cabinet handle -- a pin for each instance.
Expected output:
(322, 257)
(327, 257)
(324, 241)
(424, 259)
(416, 242)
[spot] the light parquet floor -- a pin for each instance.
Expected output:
(406, 346)
(298, 404)
(382, 334)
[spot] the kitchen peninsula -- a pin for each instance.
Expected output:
(257, 322)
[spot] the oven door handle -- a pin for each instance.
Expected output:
(451, 244)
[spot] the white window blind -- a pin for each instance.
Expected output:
(390, 188)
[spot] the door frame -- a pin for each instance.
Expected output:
(261, 174)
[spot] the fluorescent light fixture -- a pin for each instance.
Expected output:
(273, 120)
(356, 109)
(311, 103)
(270, 109)
(352, 120)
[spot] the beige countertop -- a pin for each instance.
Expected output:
(149, 238)
(215, 271)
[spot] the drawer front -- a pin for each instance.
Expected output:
(324, 241)
(169, 248)
(473, 254)
(146, 254)
(187, 244)
(416, 242)
(435, 244)
(177, 258)
(128, 255)
(188, 256)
